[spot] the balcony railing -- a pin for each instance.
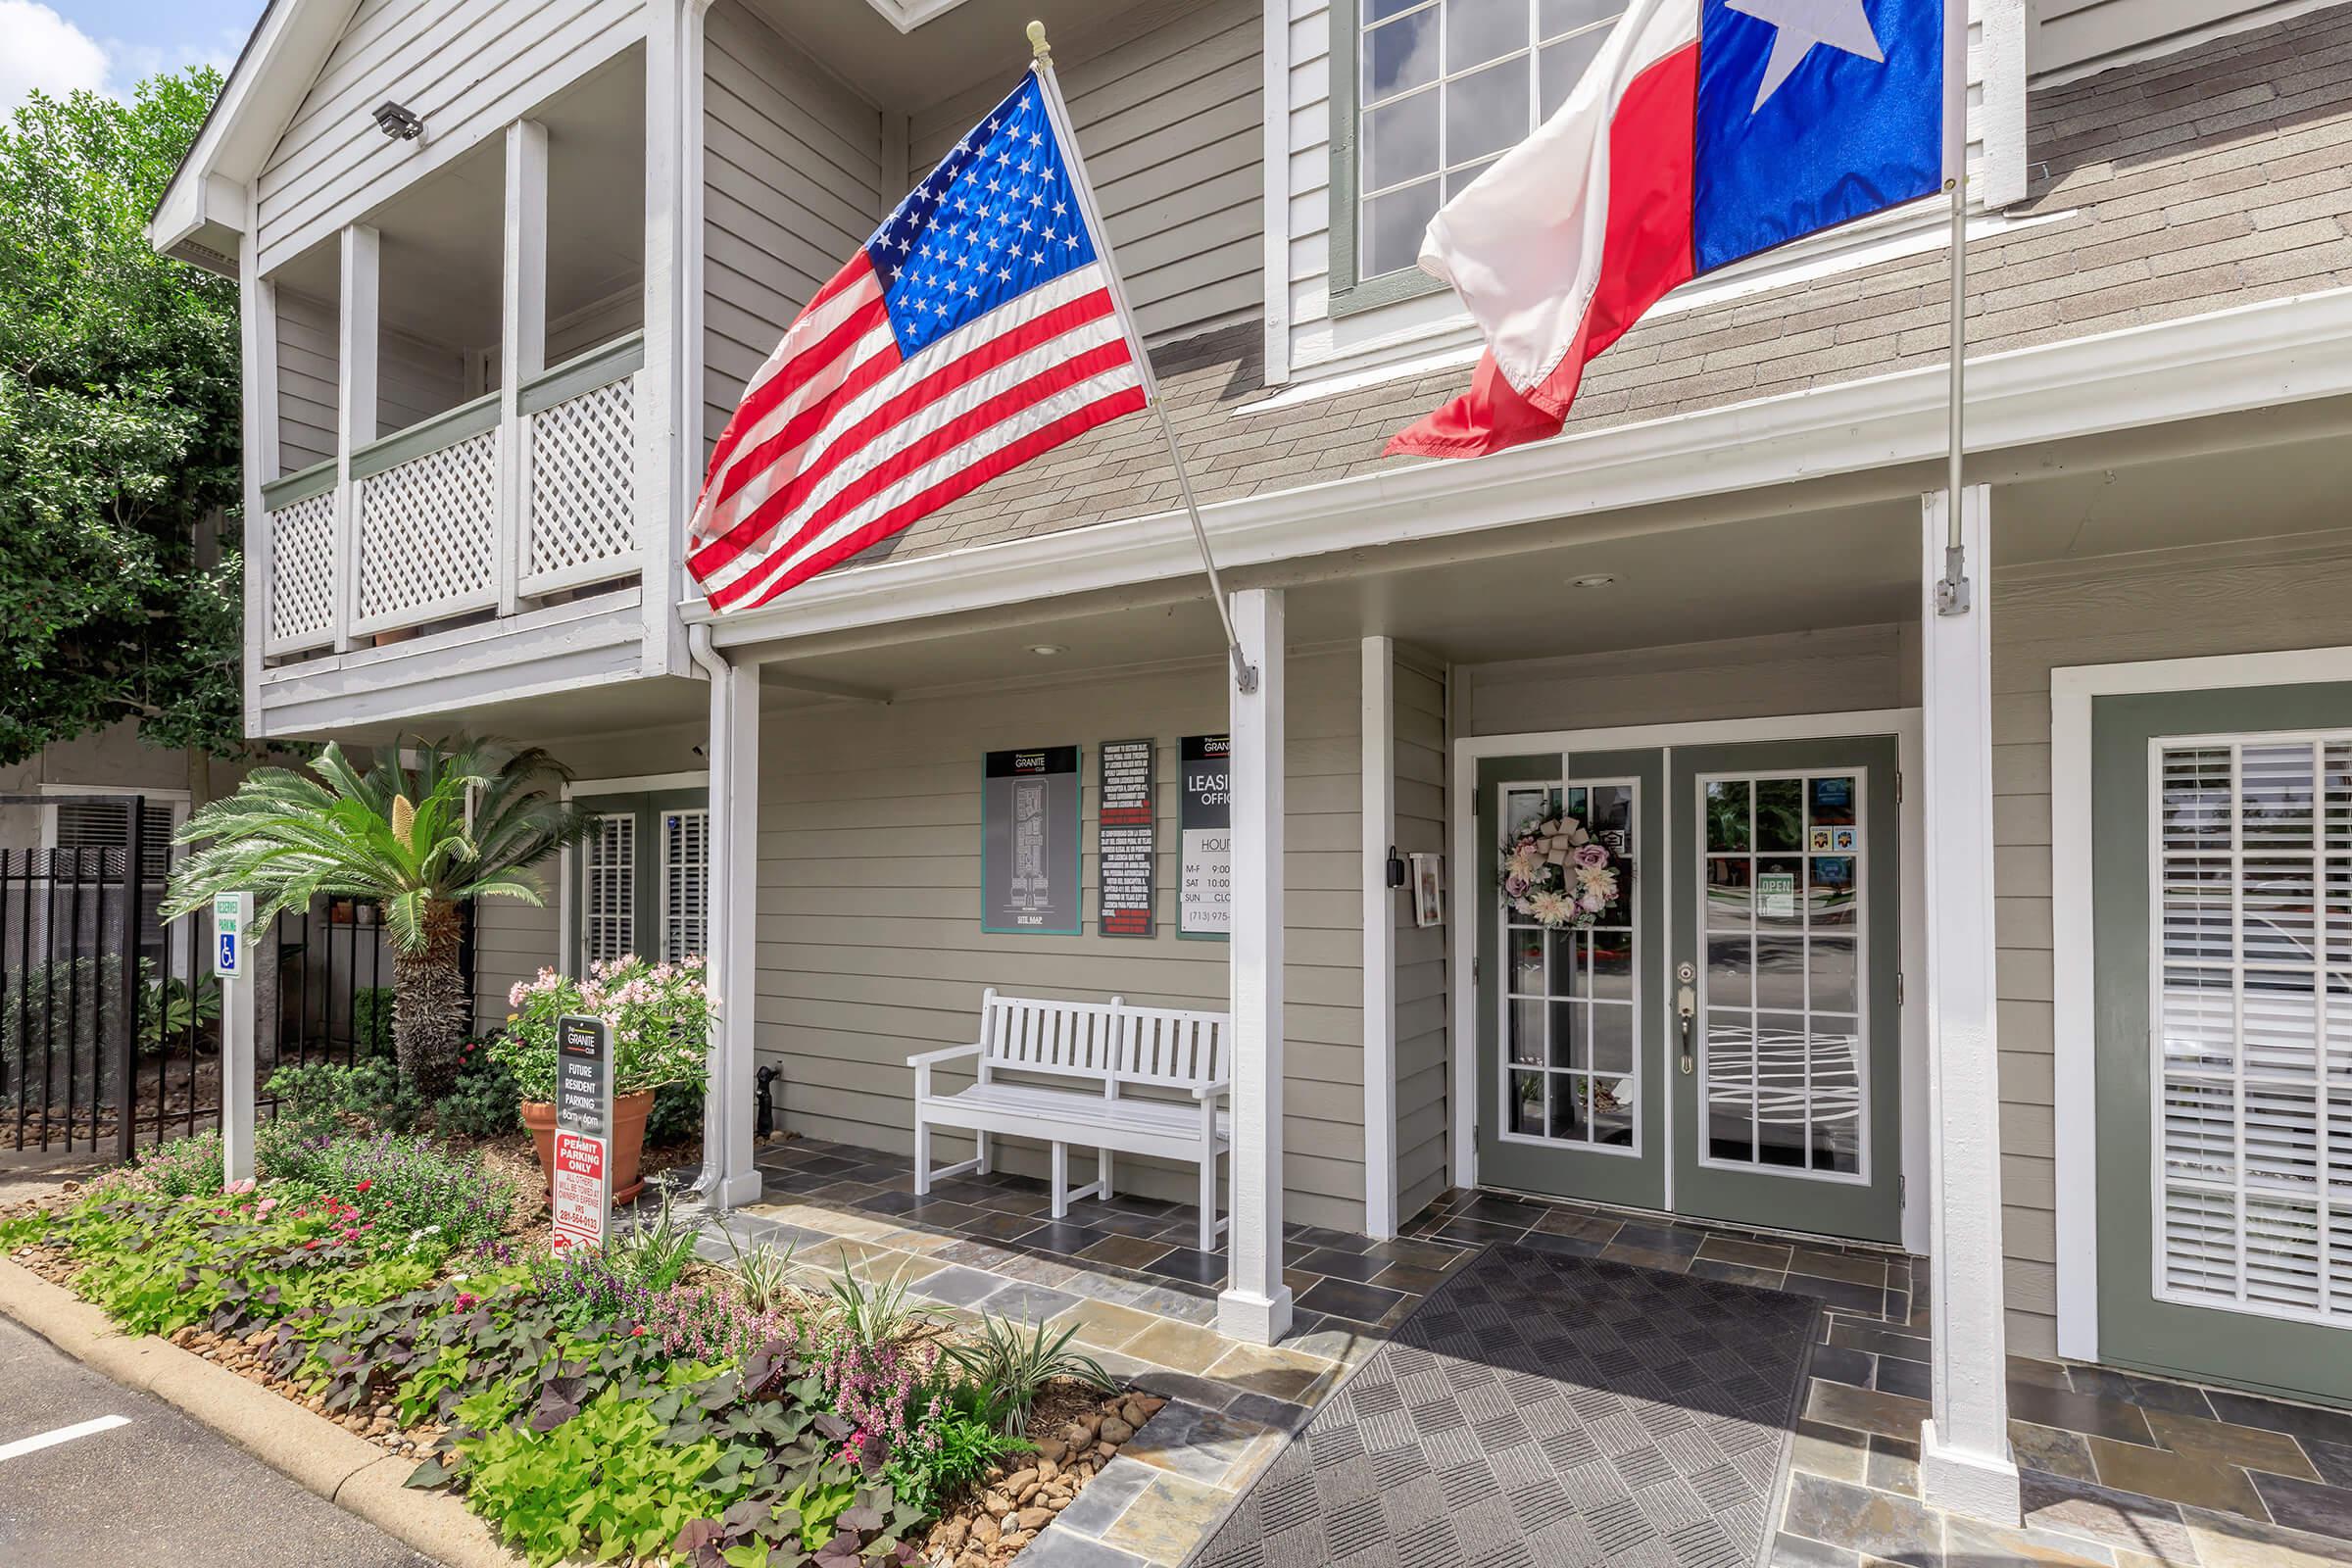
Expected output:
(420, 534)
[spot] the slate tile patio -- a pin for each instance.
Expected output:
(2121, 1470)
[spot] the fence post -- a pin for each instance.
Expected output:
(233, 965)
(126, 1046)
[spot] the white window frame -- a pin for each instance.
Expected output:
(2074, 915)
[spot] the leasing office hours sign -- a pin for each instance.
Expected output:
(1204, 863)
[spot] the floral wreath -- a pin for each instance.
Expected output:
(1557, 874)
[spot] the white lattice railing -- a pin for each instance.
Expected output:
(581, 488)
(427, 536)
(300, 511)
(426, 503)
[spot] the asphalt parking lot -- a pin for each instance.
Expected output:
(91, 1472)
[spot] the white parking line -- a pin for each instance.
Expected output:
(49, 1439)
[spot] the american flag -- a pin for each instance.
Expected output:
(980, 327)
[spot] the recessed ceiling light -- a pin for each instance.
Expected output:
(1047, 650)
(1594, 579)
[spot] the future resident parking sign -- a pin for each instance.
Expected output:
(579, 1187)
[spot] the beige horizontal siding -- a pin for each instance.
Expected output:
(1168, 105)
(869, 939)
(792, 185)
(2226, 600)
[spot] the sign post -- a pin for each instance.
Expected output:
(580, 1190)
(233, 968)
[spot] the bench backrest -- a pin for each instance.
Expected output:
(1107, 1042)
(1077, 1039)
(1175, 1048)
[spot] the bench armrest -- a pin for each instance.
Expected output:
(929, 1058)
(1223, 1086)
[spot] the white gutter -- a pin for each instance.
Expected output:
(2224, 361)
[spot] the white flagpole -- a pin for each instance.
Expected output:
(1951, 590)
(1244, 674)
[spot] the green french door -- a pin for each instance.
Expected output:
(1724, 1041)
(1788, 1048)
(1568, 1064)
(2222, 881)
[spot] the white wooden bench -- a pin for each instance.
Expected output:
(1071, 1067)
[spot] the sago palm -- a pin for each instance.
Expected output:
(402, 836)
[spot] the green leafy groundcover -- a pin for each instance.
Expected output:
(592, 1404)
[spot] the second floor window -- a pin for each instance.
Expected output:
(1444, 87)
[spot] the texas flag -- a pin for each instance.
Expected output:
(1704, 131)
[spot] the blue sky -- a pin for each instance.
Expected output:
(108, 44)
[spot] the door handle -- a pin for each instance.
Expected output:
(1685, 1008)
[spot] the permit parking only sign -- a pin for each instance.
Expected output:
(581, 1193)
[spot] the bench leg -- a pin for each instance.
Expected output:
(1061, 1180)
(982, 1165)
(1208, 1202)
(1102, 1174)
(922, 1158)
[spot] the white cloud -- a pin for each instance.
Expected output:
(45, 51)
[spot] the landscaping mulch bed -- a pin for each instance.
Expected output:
(1074, 1430)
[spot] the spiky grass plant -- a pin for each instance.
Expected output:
(1015, 1362)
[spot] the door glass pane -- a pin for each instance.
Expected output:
(1569, 998)
(1783, 1071)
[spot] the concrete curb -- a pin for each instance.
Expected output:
(339, 1465)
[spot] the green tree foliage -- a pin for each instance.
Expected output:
(118, 433)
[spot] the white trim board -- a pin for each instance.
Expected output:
(2074, 915)
(2250, 357)
(1903, 723)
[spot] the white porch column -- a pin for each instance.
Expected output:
(730, 1178)
(257, 315)
(1964, 1446)
(1379, 726)
(521, 344)
(1256, 1303)
(355, 411)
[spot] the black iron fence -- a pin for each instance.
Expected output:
(110, 1018)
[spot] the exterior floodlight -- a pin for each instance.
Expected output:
(397, 122)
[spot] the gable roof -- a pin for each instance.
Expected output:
(202, 217)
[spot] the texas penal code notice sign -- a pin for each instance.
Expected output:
(1124, 838)
(581, 1192)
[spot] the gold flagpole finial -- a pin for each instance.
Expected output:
(1038, 47)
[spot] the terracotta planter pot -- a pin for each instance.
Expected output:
(628, 1139)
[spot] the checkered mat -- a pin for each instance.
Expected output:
(1545, 1412)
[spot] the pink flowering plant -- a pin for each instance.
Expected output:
(660, 1015)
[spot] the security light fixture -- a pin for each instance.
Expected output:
(398, 123)
(1047, 650)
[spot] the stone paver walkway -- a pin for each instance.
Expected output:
(2121, 1471)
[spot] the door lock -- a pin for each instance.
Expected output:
(1685, 1006)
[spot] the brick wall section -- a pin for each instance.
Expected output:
(2209, 178)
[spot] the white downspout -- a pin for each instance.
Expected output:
(728, 1177)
